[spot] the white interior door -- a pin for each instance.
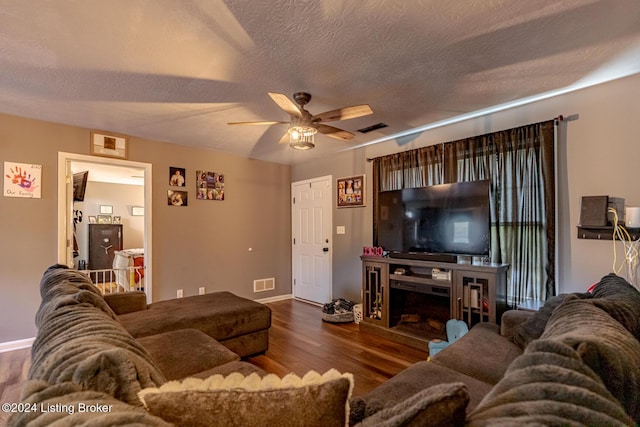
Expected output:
(312, 244)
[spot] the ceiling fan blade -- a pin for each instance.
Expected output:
(336, 133)
(343, 113)
(286, 104)
(255, 123)
(285, 139)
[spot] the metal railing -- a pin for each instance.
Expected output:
(115, 280)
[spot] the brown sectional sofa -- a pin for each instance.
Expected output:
(575, 362)
(239, 324)
(105, 350)
(479, 359)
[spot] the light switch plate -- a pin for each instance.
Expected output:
(340, 229)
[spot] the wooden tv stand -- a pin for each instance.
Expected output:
(409, 300)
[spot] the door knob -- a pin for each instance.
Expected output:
(325, 249)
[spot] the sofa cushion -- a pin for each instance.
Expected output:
(602, 344)
(549, 385)
(248, 344)
(404, 385)
(620, 300)
(80, 341)
(221, 315)
(126, 302)
(185, 352)
(440, 405)
(492, 354)
(313, 400)
(511, 321)
(532, 328)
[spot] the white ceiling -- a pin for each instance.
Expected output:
(178, 71)
(114, 174)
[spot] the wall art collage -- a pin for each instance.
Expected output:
(209, 186)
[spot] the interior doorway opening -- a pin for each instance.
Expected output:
(109, 176)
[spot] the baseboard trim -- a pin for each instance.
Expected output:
(274, 299)
(306, 301)
(16, 345)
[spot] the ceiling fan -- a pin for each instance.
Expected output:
(303, 125)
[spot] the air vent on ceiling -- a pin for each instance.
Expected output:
(372, 128)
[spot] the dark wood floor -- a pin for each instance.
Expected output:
(299, 341)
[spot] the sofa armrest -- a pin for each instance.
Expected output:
(511, 320)
(126, 302)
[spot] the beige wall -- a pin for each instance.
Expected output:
(598, 154)
(207, 243)
(204, 244)
(357, 221)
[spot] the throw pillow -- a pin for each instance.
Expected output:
(236, 400)
(549, 385)
(604, 345)
(440, 405)
(532, 328)
(620, 300)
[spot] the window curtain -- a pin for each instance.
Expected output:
(519, 163)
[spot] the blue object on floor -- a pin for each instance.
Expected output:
(455, 330)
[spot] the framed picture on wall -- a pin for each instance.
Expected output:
(105, 219)
(177, 198)
(106, 209)
(177, 177)
(350, 191)
(109, 145)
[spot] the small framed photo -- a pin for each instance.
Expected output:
(177, 198)
(350, 192)
(177, 177)
(106, 209)
(107, 144)
(137, 211)
(105, 219)
(93, 220)
(117, 220)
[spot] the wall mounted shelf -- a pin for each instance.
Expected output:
(604, 233)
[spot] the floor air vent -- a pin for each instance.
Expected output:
(261, 285)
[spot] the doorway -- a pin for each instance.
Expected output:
(66, 205)
(312, 245)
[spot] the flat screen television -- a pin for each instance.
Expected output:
(79, 185)
(438, 219)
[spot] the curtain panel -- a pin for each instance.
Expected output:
(519, 163)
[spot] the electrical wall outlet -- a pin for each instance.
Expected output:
(201, 290)
(180, 293)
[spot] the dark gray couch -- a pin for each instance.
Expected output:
(84, 353)
(575, 362)
(239, 324)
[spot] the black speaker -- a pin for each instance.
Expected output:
(593, 211)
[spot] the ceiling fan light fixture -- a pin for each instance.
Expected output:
(301, 137)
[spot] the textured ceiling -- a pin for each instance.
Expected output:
(178, 71)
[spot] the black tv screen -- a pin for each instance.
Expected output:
(79, 185)
(439, 219)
